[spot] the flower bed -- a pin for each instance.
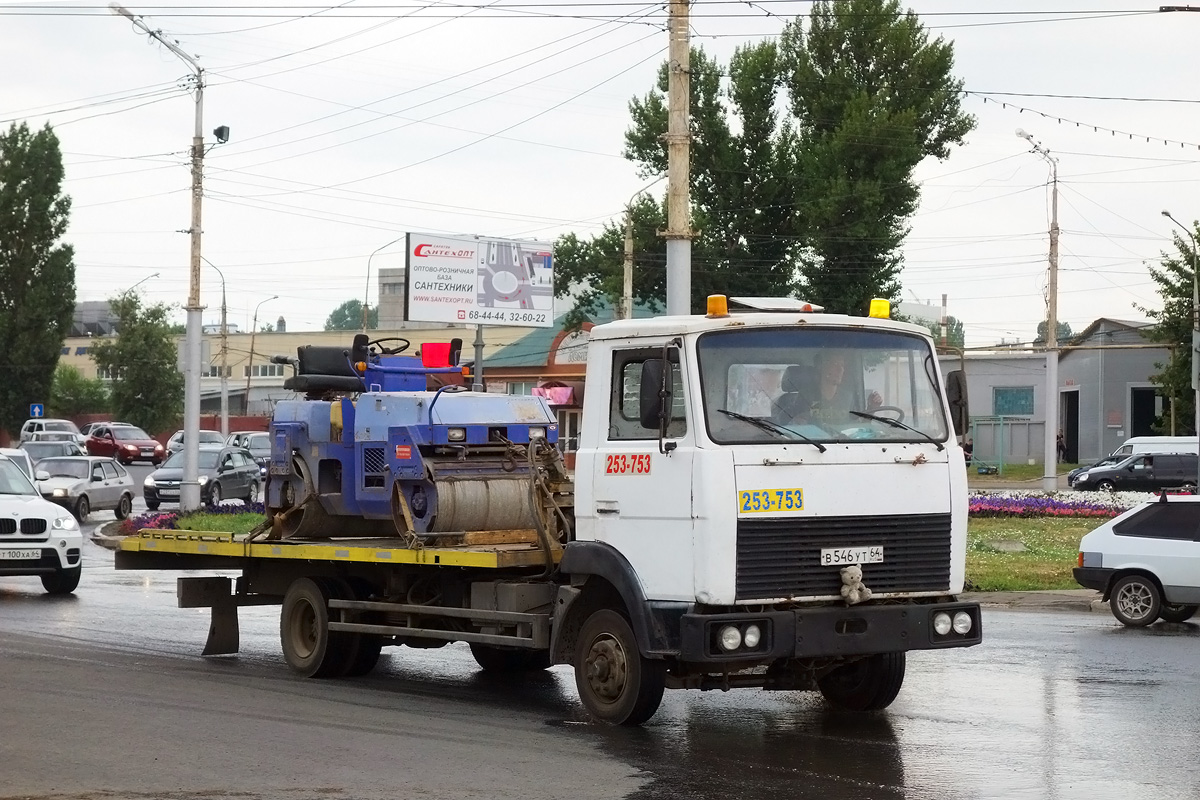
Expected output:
(1057, 504)
(170, 520)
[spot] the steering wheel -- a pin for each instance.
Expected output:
(899, 412)
(390, 351)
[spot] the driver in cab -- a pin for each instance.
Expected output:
(822, 398)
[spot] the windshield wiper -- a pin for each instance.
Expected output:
(772, 427)
(895, 423)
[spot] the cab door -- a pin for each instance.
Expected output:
(641, 495)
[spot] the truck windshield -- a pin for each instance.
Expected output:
(820, 384)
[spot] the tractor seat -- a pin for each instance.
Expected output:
(322, 368)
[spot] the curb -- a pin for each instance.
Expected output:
(1074, 600)
(106, 535)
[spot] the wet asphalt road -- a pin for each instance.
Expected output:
(103, 695)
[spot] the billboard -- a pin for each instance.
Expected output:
(476, 281)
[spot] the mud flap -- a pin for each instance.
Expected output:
(217, 593)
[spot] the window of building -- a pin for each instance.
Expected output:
(215, 372)
(263, 371)
(1012, 400)
(521, 387)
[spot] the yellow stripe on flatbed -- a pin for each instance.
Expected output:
(374, 551)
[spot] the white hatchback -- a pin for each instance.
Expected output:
(37, 537)
(1146, 561)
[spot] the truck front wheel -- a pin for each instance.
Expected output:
(308, 645)
(616, 684)
(869, 684)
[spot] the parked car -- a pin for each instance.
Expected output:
(225, 472)
(22, 459)
(57, 436)
(259, 445)
(86, 428)
(84, 484)
(1104, 462)
(1149, 472)
(125, 443)
(36, 537)
(42, 425)
(40, 450)
(175, 443)
(1146, 561)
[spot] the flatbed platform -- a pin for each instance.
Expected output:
(172, 549)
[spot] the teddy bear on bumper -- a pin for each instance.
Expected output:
(853, 589)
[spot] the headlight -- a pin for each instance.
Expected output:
(1081, 476)
(537, 433)
(962, 623)
(942, 623)
(59, 493)
(752, 636)
(149, 482)
(203, 479)
(158, 448)
(132, 447)
(456, 434)
(730, 638)
(65, 524)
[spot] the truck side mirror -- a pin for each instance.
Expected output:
(956, 394)
(654, 397)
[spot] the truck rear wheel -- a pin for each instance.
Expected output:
(616, 684)
(509, 659)
(869, 684)
(308, 645)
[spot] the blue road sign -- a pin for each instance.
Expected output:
(37, 410)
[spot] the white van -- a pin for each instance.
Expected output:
(1158, 444)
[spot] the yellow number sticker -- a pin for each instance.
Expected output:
(767, 501)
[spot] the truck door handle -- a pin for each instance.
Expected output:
(607, 507)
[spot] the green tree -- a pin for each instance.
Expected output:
(147, 387)
(1063, 330)
(348, 317)
(955, 333)
(1173, 327)
(872, 97)
(37, 271)
(801, 161)
(72, 394)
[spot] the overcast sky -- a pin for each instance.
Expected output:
(354, 123)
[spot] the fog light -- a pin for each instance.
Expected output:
(962, 623)
(456, 434)
(941, 623)
(752, 636)
(730, 638)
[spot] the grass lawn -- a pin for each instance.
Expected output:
(1016, 472)
(1052, 546)
(220, 523)
(1051, 543)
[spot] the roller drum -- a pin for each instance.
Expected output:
(489, 504)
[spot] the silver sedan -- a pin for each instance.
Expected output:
(84, 484)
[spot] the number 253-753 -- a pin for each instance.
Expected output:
(757, 501)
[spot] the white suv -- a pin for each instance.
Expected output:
(42, 425)
(1146, 561)
(37, 537)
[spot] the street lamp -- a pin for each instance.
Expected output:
(143, 280)
(189, 487)
(367, 288)
(1050, 473)
(1195, 327)
(253, 333)
(224, 354)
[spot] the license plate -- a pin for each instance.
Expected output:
(168, 494)
(842, 556)
(20, 555)
(147, 452)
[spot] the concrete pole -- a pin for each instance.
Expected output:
(1050, 474)
(627, 291)
(224, 363)
(250, 360)
(679, 227)
(477, 378)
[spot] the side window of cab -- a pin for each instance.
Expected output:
(624, 407)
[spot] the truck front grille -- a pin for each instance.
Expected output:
(781, 557)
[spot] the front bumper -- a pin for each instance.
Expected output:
(1093, 578)
(54, 555)
(827, 632)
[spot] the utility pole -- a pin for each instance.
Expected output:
(627, 290)
(1195, 332)
(1050, 473)
(250, 360)
(679, 221)
(189, 489)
